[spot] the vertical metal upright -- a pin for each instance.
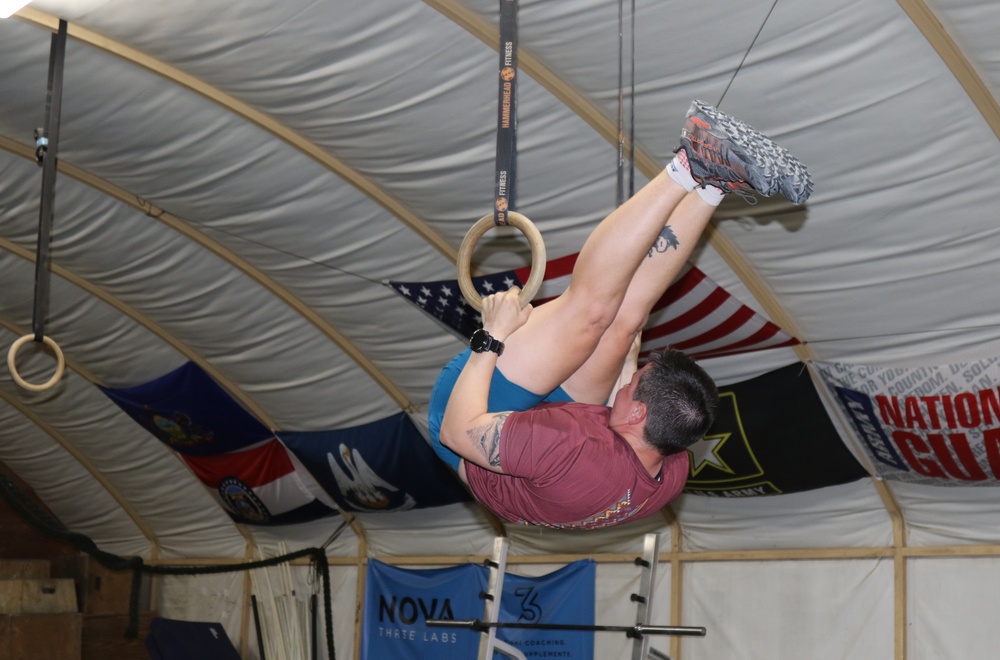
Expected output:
(491, 608)
(644, 599)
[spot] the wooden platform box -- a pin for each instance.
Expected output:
(37, 596)
(101, 590)
(104, 637)
(40, 636)
(25, 569)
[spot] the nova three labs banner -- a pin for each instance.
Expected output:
(929, 425)
(399, 601)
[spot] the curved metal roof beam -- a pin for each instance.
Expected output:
(150, 325)
(98, 476)
(960, 66)
(269, 124)
(284, 133)
(229, 257)
(136, 518)
(169, 339)
(489, 34)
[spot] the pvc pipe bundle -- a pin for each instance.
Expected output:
(284, 614)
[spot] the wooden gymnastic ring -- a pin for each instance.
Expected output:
(530, 232)
(60, 363)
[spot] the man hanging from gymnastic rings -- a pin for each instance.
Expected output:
(520, 415)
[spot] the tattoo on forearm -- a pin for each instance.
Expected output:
(666, 240)
(488, 438)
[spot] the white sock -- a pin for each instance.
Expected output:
(680, 171)
(711, 194)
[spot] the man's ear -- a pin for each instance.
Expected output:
(637, 414)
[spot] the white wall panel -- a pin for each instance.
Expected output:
(820, 610)
(951, 608)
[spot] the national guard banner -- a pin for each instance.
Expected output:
(399, 601)
(927, 425)
(386, 465)
(771, 435)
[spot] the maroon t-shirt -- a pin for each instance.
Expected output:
(566, 468)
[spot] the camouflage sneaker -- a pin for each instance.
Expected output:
(726, 153)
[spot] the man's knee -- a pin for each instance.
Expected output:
(593, 317)
(627, 325)
(579, 315)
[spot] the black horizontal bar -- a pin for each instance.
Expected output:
(634, 631)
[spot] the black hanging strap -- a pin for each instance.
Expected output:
(631, 109)
(620, 180)
(620, 195)
(46, 151)
(506, 163)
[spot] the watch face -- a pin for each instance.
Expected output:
(480, 341)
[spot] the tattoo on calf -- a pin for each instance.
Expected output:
(488, 438)
(664, 242)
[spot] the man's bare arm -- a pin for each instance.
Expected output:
(468, 429)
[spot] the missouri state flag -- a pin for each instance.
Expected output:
(695, 314)
(771, 435)
(244, 466)
(261, 485)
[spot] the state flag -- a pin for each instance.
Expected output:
(248, 471)
(386, 465)
(260, 485)
(190, 412)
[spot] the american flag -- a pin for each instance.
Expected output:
(695, 314)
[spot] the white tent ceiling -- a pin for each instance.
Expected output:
(238, 180)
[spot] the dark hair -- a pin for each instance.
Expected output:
(680, 400)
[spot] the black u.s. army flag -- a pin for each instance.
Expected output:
(771, 435)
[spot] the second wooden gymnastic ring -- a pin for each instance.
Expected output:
(12, 359)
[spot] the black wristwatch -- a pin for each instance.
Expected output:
(481, 341)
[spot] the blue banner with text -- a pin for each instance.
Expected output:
(399, 601)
